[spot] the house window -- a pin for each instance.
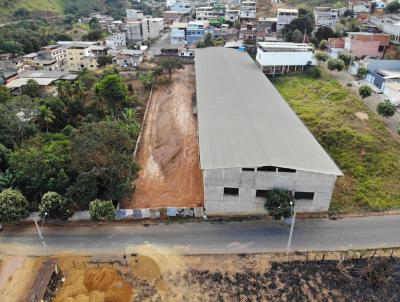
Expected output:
(262, 193)
(267, 169)
(304, 195)
(286, 170)
(248, 169)
(231, 191)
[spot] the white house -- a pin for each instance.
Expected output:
(248, 10)
(178, 33)
(134, 15)
(282, 57)
(205, 13)
(116, 40)
(326, 16)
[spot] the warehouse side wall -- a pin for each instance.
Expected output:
(235, 191)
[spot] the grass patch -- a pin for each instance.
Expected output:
(365, 151)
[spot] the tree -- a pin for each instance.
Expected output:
(393, 7)
(45, 117)
(4, 157)
(348, 13)
(94, 23)
(170, 65)
(278, 203)
(339, 65)
(87, 79)
(345, 57)
(113, 90)
(5, 94)
(321, 56)
(147, 79)
(304, 23)
(324, 33)
(31, 89)
(364, 91)
(386, 108)
(322, 45)
(102, 157)
(335, 64)
(41, 165)
(17, 120)
(362, 72)
(102, 210)
(54, 206)
(7, 180)
(104, 60)
(13, 206)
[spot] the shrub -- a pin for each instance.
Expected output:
(345, 57)
(365, 91)
(321, 56)
(101, 210)
(13, 206)
(362, 72)
(322, 44)
(386, 109)
(315, 72)
(398, 131)
(55, 206)
(278, 203)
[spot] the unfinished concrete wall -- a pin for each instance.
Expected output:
(248, 182)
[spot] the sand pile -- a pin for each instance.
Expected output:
(103, 284)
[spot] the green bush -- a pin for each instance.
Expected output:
(315, 72)
(278, 203)
(101, 210)
(365, 91)
(13, 206)
(386, 109)
(55, 206)
(362, 72)
(321, 56)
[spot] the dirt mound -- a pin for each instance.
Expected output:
(144, 267)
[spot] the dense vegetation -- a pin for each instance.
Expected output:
(367, 153)
(63, 152)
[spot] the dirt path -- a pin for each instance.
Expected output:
(168, 154)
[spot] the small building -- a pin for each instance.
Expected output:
(232, 15)
(251, 141)
(364, 44)
(285, 16)
(389, 24)
(116, 40)
(276, 58)
(385, 74)
(134, 15)
(8, 71)
(128, 57)
(205, 13)
(134, 31)
(326, 16)
(152, 27)
(268, 23)
(185, 7)
(195, 31)
(81, 56)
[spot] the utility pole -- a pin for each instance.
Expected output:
(41, 237)
(293, 211)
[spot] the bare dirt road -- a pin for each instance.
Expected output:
(168, 153)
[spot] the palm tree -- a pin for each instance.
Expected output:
(46, 116)
(129, 116)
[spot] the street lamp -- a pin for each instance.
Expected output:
(293, 211)
(41, 236)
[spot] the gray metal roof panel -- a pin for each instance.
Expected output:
(245, 122)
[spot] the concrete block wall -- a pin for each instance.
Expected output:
(248, 182)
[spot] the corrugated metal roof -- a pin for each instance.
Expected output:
(245, 122)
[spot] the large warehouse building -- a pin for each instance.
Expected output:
(251, 141)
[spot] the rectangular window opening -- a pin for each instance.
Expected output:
(287, 170)
(267, 169)
(262, 193)
(231, 191)
(304, 195)
(248, 169)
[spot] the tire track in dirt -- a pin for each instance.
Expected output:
(170, 173)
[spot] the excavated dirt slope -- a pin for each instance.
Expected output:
(168, 153)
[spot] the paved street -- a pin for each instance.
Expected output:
(207, 237)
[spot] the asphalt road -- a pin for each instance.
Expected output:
(206, 237)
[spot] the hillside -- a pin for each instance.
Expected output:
(9, 7)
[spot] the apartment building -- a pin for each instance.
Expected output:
(116, 40)
(134, 31)
(134, 15)
(178, 33)
(152, 27)
(205, 13)
(81, 56)
(285, 16)
(195, 31)
(232, 15)
(174, 16)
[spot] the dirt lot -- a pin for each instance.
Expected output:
(168, 153)
(158, 274)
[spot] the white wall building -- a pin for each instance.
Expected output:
(282, 57)
(184, 7)
(326, 16)
(251, 141)
(389, 24)
(152, 27)
(134, 31)
(178, 33)
(248, 10)
(285, 16)
(232, 15)
(205, 13)
(116, 40)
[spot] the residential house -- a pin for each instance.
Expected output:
(389, 24)
(385, 74)
(81, 56)
(232, 15)
(248, 11)
(276, 58)
(285, 16)
(184, 7)
(175, 16)
(326, 16)
(362, 44)
(195, 31)
(116, 40)
(251, 141)
(205, 13)
(134, 31)
(8, 71)
(178, 33)
(134, 15)
(152, 27)
(128, 57)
